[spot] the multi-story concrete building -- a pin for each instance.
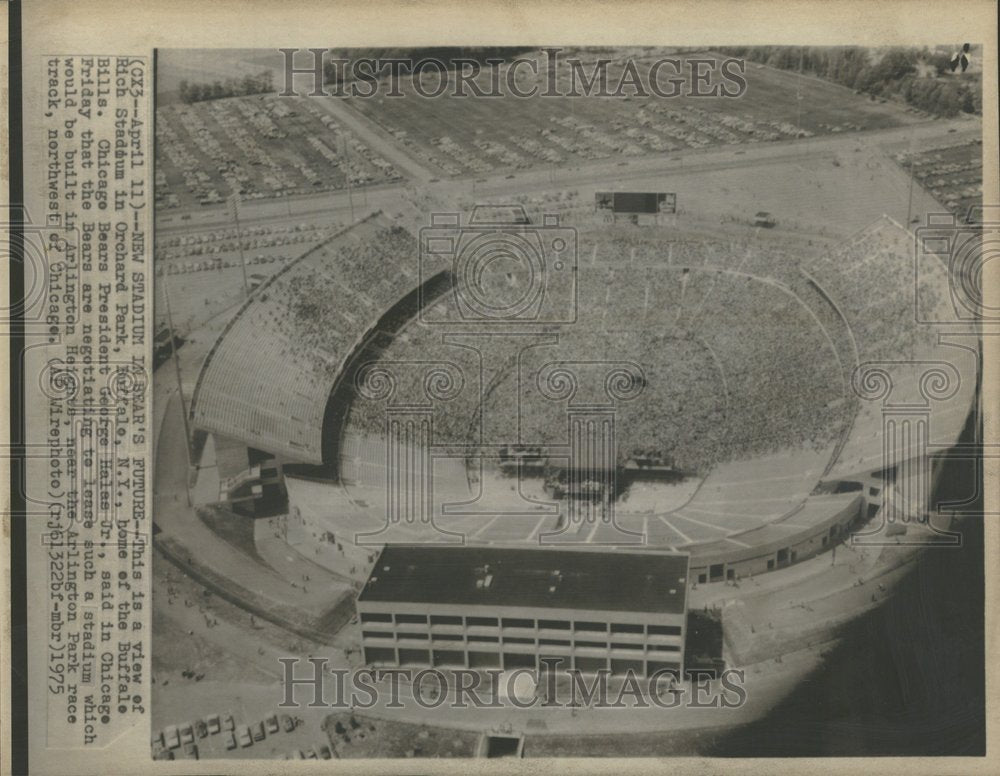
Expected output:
(505, 607)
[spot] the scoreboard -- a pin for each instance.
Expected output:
(636, 202)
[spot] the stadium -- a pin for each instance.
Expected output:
(719, 368)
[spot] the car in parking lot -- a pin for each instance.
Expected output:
(228, 723)
(171, 737)
(324, 752)
(214, 725)
(258, 731)
(201, 728)
(272, 724)
(187, 734)
(230, 740)
(287, 723)
(244, 736)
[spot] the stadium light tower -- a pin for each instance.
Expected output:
(180, 387)
(234, 207)
(347, 164)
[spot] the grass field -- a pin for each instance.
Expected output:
(462, 136)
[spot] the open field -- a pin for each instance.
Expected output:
(477, 136)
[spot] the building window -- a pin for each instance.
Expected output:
(449, 657)
(621, 627)
(554, 642)
(621, 667)
(412, 635)
(664, 647)
(486, 621)
(516, 640)
(702, 578)
(380, 655)
(715, 572)
(592, 644)
(595, 627)
(654, 666)
(375, 617)
(515, 660)
(664, 630)
(591, 665)
(445, 619)
(730, 573)
(376, 634)
(770, 564)
(554, 624)
(414, 657)
(411, 619)
(515, 622)
(622, 645)
(484, 639)
(484, 660)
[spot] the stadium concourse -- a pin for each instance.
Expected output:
(763, 372)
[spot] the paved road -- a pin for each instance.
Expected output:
(547, 178)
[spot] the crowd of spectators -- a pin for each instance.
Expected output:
(744, 353)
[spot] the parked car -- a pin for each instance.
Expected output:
(201, 728)
(244, 736)
(228, 723)
(258, 731)
(214, 726)
(187, 734)
(287, 723)
(272, 724)
(230, 740)
(171, 737)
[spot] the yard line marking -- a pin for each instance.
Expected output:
(707, 525)
(762, 515)
(485, 526)
(593, 532)
(537, 528)
(676, 530)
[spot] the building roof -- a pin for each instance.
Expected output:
(616, 580)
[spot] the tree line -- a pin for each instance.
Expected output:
(919, 77)
(261, 83)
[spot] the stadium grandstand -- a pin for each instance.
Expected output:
(764, 375)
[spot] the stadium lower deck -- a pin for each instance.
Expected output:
(852, 304)
(734, 501)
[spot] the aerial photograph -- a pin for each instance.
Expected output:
(526, 402)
